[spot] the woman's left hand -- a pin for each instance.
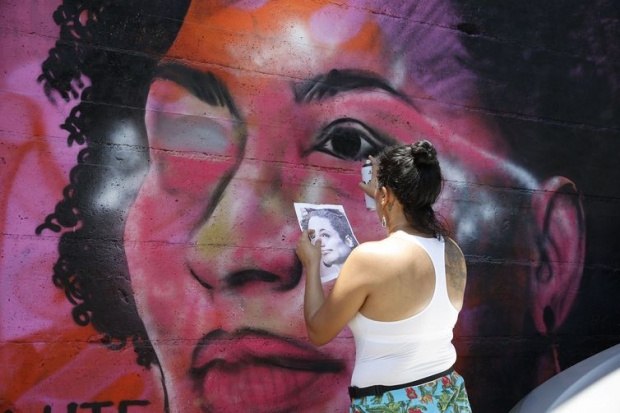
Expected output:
(307, 252)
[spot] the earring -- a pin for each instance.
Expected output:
(383, 222)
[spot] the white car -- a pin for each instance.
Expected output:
(592, 385)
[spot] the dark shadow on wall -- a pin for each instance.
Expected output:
(549, 74)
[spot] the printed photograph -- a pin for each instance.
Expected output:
(332, 227)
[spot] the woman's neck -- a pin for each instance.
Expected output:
(397, 221)
(401, 224)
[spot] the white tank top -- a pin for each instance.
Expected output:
(396, 352)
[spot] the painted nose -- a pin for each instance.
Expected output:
(250, 236)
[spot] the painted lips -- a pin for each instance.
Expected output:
(252, 370)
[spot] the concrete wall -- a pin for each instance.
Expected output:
(151, 154)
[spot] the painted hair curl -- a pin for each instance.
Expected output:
(116, 45)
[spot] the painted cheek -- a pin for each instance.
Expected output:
(195, 176)
(161, 217)
(168, 299)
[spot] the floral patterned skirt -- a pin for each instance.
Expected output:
(446, 394)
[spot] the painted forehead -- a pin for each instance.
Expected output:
(322, 22)
(267, 35)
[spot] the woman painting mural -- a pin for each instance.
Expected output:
(400, 296)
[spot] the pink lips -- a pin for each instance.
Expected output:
(256, 371)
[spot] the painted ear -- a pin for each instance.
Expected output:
(558, 268)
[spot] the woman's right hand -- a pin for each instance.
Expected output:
(308, 253)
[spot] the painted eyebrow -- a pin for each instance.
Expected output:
(204, 85)
(335, 81)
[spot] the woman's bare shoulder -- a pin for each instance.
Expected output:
(453, 252)
(367, 251)
(451, 244)
(387, 247)
(372, 256)
(456, 267)
(386, 254)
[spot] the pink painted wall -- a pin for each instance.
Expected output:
(148, 231)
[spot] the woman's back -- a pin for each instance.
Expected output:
(403, 331)
(405, 277)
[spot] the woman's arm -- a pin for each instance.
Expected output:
(327, 316)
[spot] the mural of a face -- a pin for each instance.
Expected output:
(256, 107)
(334, 248)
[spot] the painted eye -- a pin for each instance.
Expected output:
(351, 140)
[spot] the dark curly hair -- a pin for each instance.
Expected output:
(105, 49)
(413, 173)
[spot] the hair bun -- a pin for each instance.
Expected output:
(424, 153)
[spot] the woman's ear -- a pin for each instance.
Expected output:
(383, 196)
(560, 252)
